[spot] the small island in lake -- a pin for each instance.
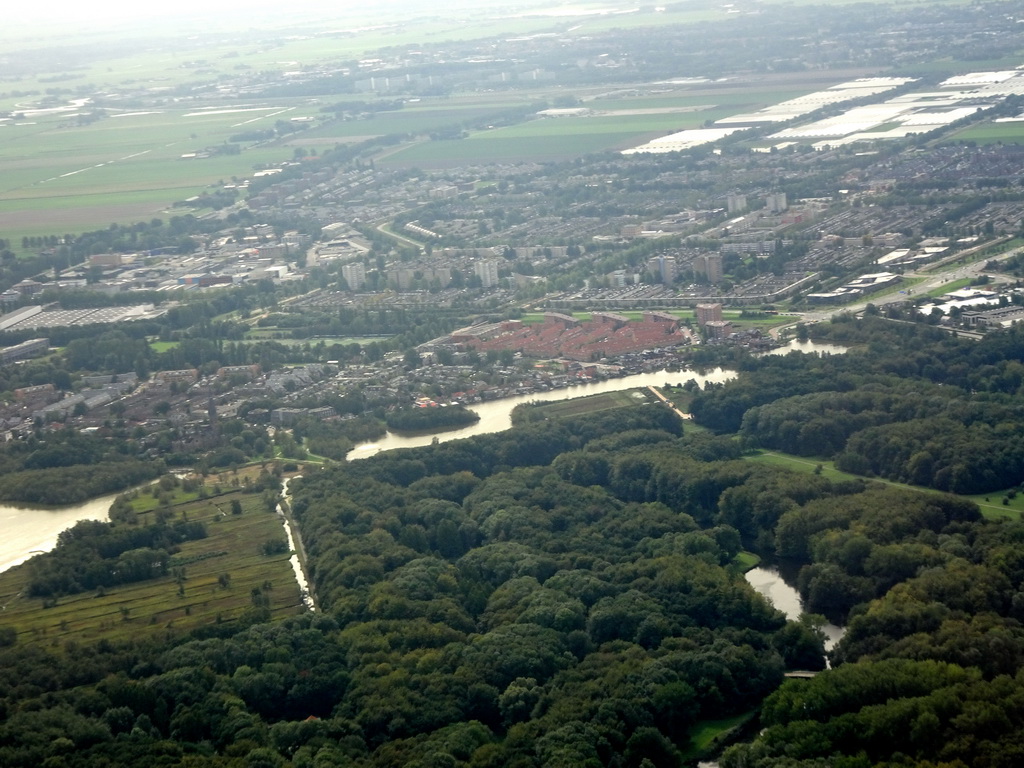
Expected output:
(422, 418)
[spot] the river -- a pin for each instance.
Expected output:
(770, 582)
(496, 415)
(296, 547)
(28, 530)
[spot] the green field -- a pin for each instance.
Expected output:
(156, 606)
(945, 288)
(163, 346)
(747, 560)
(711, 733)
(410, 119)
(60, 177)
(592, 404)
(993, 133)
(558, 137)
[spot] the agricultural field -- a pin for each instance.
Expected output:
(205, 596)
(993, 133)
(408, 120)
(57, 176)
(612, 124)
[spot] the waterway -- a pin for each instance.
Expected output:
(295, 546)
(496, 415)
(816, 347)
(771, 583)
(29, 530)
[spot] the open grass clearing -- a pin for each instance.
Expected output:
(947, 67)
(681, 399)
(475, 149)
(163, 346)
(709, 733)
(407, 120)
(746, 560)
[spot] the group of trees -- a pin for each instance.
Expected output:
(69, 467)
(413, 419)
(92, 554)
(566, 594)
(916, 406)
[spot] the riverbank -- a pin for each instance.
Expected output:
(496, 415)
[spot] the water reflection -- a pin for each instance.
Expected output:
(29, 530)
(808, 346)
(496, 416)
(781, 593)
(294, 561)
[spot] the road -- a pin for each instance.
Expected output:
(930, 282)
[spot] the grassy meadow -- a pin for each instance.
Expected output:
(613, 124)
(58, 176)
(592, 403)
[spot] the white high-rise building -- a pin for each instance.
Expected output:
(735, 203)
(776, 202)
(487, 271)
(354, 274)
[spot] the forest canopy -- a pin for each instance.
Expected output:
(569, 593)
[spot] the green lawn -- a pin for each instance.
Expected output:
(747, 560)
(942, 290)
(991, 133)
(163, 346)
